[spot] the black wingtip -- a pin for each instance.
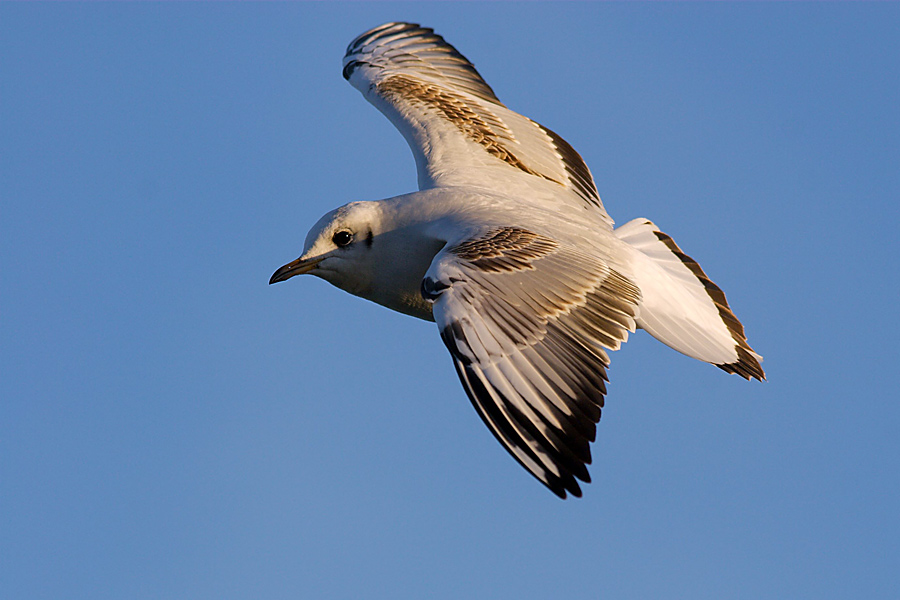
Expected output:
(747, 366)
(350, 67)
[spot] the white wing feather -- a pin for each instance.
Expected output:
(459, 131)
(528, 322)
(682, 307)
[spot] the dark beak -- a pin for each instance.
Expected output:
(298, 267)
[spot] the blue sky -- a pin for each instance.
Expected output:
(173, 427)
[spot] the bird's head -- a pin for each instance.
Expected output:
(338, 248)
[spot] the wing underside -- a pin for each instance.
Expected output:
(528, 323)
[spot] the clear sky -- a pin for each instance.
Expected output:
(173, 427)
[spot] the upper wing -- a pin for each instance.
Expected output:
(460, 133)
(527, 321)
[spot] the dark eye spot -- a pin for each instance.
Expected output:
(342, 238)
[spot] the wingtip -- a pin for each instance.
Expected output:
(747, 366)
(563, 486)
(392, 27)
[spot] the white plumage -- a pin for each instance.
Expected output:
(508, 248)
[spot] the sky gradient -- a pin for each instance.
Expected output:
(173, 427)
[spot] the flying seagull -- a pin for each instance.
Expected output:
(508, 248)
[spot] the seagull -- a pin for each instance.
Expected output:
(508, 249)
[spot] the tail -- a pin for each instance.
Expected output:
(681, 307)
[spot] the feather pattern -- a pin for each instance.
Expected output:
(528, 322)
(459, 131)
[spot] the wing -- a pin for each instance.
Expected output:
(459, 132)
(528, 322)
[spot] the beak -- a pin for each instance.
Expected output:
(298, 267)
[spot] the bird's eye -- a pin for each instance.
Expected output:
(342, 238)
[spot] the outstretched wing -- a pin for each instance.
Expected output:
(528, 321)
(459, 132)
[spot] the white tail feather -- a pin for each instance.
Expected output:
(682, 307)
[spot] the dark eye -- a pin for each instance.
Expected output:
(342, 238)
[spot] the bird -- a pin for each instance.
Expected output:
(508, 248)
